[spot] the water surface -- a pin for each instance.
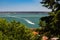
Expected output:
(31, 20)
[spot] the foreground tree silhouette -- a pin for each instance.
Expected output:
(52, 4)
(50, 25)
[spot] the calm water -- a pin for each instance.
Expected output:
(31, 20)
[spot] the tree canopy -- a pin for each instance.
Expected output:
(14, 31)
(52, 4)
(52, 22)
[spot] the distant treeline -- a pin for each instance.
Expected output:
(25, 12)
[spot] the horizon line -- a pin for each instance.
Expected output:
(24, 11)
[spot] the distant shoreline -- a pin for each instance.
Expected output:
(23, 12)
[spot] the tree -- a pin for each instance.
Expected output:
(51, 4)
(14, 31)
(52, 22)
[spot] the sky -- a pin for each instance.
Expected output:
(22, 5)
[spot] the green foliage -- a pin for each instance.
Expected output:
(14, 31)
(51, 4)
(1, 35)
(51, 24)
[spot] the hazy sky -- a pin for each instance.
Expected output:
(21, 5)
